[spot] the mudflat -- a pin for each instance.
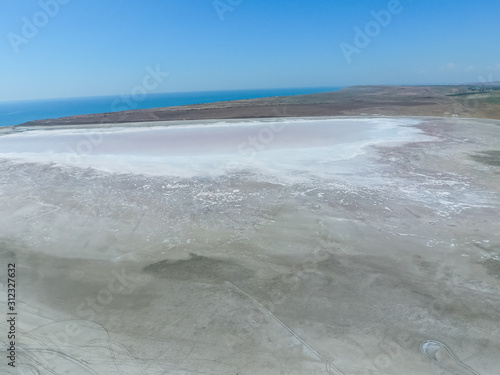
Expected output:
(330, 246)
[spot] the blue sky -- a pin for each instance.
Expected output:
(96, 47)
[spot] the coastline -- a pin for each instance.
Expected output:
(20, 111)
(359, 101)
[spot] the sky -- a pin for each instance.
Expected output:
(74, 48)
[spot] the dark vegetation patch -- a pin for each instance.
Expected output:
(199, 267)
(491, 157)
(492, 267)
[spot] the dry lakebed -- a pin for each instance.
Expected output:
(329, 245)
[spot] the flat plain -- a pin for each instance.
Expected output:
(273, 246)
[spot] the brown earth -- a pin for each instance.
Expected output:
(459, 101)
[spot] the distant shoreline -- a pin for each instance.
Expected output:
(22, 111)
(437, 101)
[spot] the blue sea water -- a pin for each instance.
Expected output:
(18, 112)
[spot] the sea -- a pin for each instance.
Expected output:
(18, 112)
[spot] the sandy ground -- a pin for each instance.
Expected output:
(302, 246)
